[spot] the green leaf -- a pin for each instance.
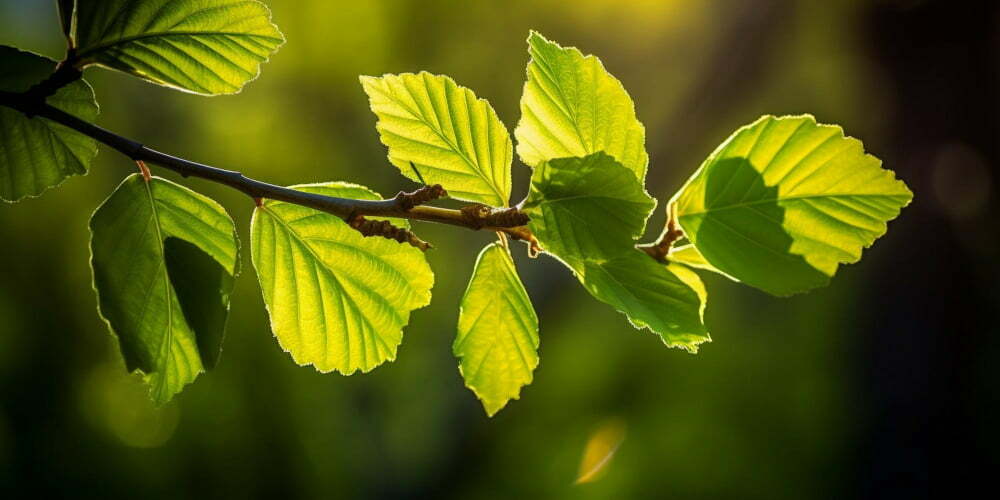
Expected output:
(67, 9)
(497, 338)
(691, 257)
(452, 138)
(571, 106)
(588, 212)
(589, 208)
(337, 299)
(164, 259)
(36, 153)
(206, 47)
(784, 201)
(669, 299)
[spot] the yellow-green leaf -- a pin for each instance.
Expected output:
(337, 300)
(784, 201)
(497, 338)
(691, 257)
(572, 106)
(441, 133)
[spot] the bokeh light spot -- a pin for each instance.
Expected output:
(120, 404)
(961, 180)
(600, 450)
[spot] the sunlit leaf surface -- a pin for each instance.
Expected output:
(691, 257)
(571, 106)
(204, 46)
(337, 300)
(784, 201)
(497, 338)
(440, 133)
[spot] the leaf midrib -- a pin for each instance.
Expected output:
(165, 350)
(162, 34)
(789, 198)
(457, 150)
(548, 200)
(495, 306)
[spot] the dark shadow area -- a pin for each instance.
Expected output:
(929, 383)
(757, 253)
(202, 287)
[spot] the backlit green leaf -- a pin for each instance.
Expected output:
(669, 299)
(205, 46)
(588, 212)
(433, 125)
(337, 300)
(497, 331)
(36, 153)
(691, 257)
(164, 259)
(589, 208)
(784, 201)
(571, 106)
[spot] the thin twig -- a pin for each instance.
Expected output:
(65, 74)
(509, 221)
(671, 233)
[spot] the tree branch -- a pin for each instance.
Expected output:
(404, 206)
(66, 73)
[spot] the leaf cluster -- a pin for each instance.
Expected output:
(778, 206)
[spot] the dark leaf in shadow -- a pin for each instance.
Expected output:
(201, 284)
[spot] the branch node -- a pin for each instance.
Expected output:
(406, 201)
(506, 217)
(35, 96)
(671, 233)
(386, 230)
(479, 216)
(475, 215)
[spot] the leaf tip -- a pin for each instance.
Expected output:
(492, 409)
(536, 36)
(689, 343)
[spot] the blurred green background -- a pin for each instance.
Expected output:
(849, 391)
